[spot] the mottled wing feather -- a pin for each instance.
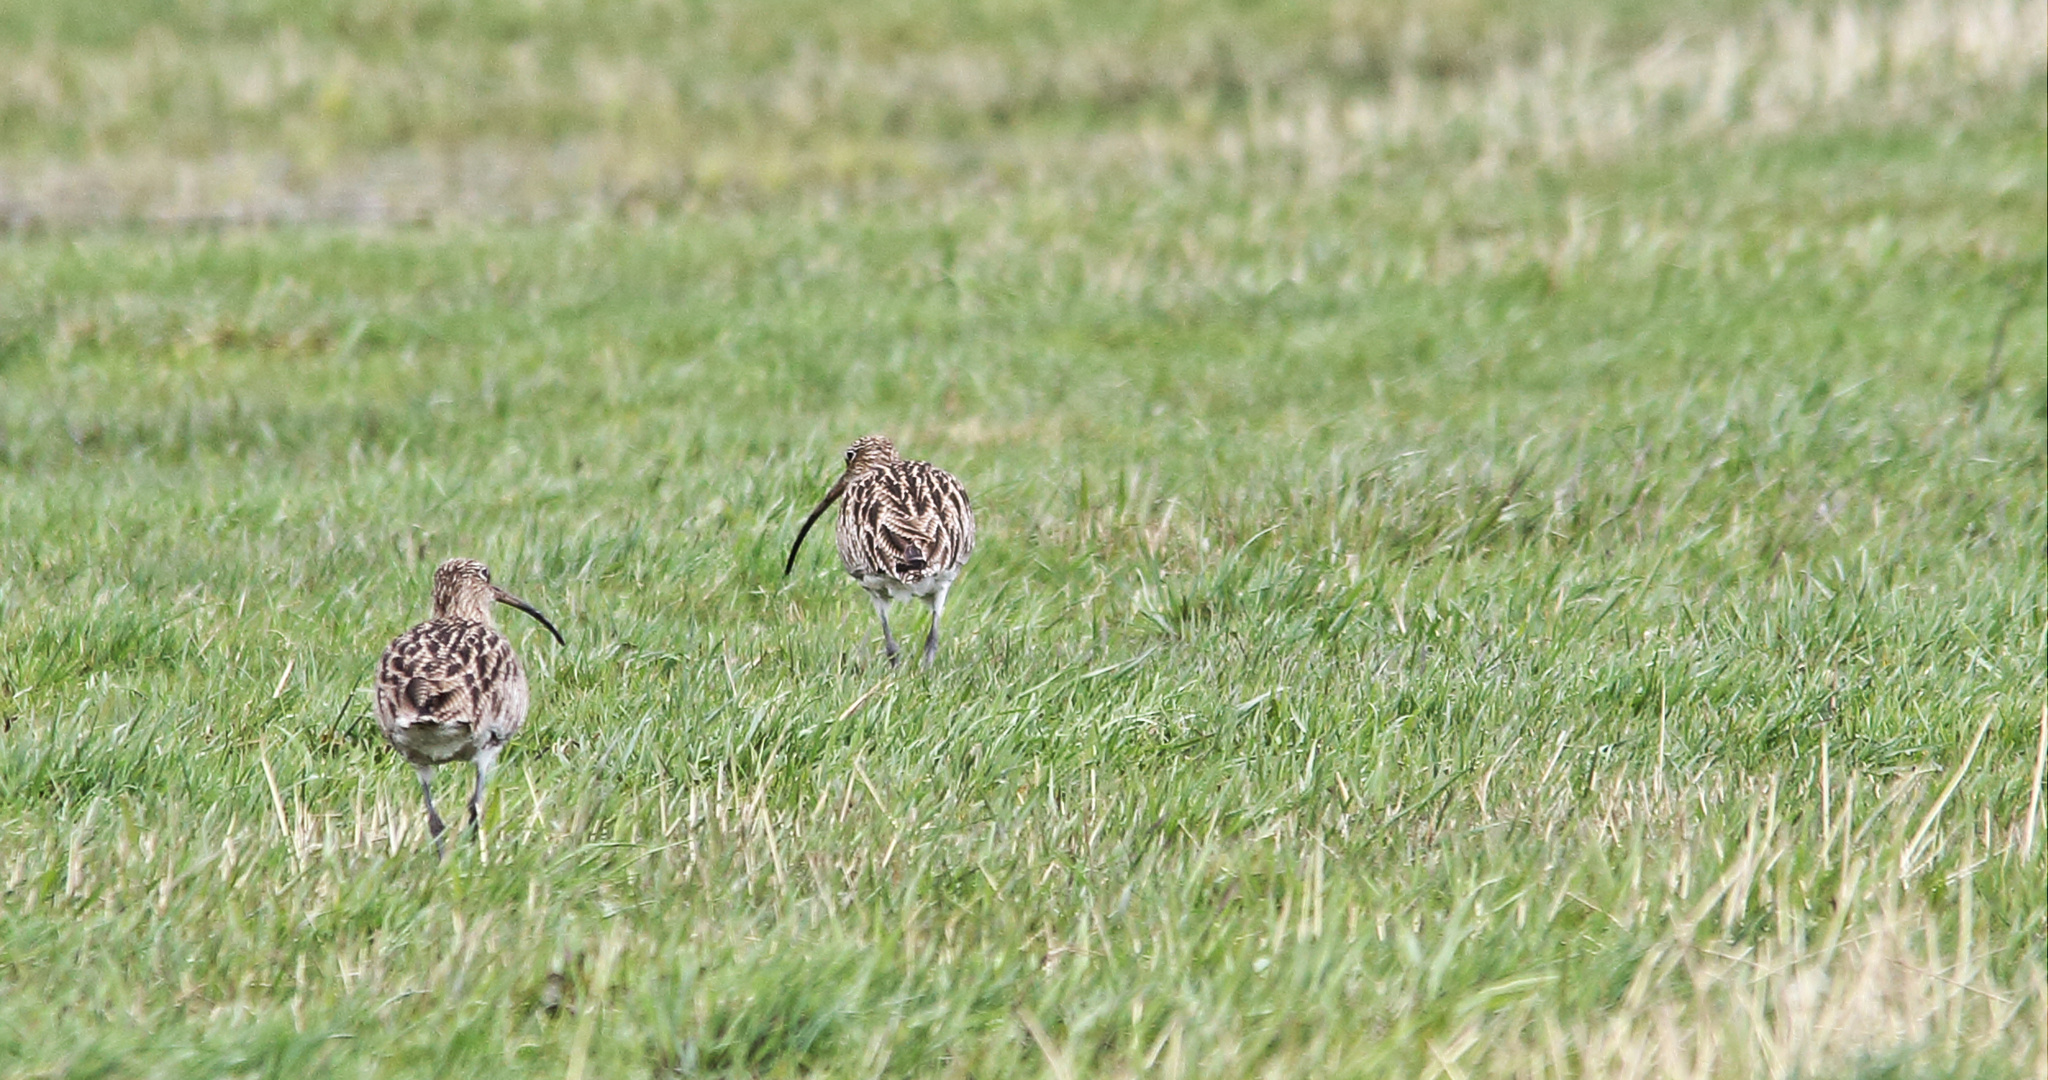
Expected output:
(428, 694)
(450, 672)
(905, 520)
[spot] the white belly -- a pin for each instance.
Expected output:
(435, 741)
(930, 584)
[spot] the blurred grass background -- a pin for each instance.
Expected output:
(251, 112)
(202, 77)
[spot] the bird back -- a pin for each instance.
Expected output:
(451, 671)
(905, 520)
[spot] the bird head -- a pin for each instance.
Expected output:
(463, 590)
(868, 452)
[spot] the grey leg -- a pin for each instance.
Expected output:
(937, 602)
(434, 824)
(888, 639)
(485, 762)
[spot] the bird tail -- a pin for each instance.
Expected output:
(913, 561)
(426, 696)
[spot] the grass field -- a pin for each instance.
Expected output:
(1512, 543)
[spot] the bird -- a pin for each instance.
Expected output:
(451, 689)
(905, 530)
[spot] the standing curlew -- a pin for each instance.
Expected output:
(905, 530)
(450, 689)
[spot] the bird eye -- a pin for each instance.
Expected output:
(849, 455)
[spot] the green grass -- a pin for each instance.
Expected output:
(1475, 602)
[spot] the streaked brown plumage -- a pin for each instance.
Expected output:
(904, 530)
(450, 689)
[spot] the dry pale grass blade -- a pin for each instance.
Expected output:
(1892, 978)
(1784, 1012)
(1773, 76)
(1909, 859)
(2034, 787)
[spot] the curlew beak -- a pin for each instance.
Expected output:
(509, 600)
(830, 497)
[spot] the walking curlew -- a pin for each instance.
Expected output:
(905, 530)
(450, 689)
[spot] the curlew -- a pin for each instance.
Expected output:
(450, 689)
(905, 530)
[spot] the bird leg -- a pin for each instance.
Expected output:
(888, 639)
(485, 762)
(937, 602)
(434, 824)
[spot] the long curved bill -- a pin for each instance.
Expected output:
(830, 497)
(510, 600)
